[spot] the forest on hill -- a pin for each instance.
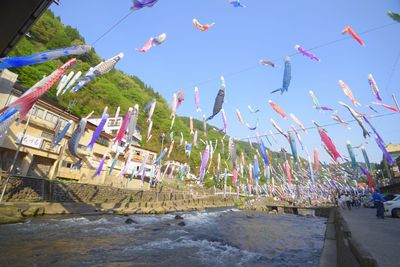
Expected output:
(117, 88)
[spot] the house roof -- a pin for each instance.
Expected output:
(393, 148)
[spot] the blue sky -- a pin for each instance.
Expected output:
(243, 36)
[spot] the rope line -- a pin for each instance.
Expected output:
(321, 126)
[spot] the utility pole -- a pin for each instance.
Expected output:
(13, 165)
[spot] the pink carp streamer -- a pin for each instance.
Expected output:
(349, 93)
(277, 109)
(197, 99)
(239, 116)
(328, 143)
(124, 126)
(180, 98)
(386, 106)
(24, 103)
(316, 160)
(338, 119)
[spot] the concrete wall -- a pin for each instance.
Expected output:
(350, 253)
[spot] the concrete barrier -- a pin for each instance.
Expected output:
(350, 253)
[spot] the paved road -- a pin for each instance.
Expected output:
(380, 237)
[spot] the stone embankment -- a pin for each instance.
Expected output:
(28, 197)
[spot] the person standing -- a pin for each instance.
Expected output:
(378, 200)
(348, 201)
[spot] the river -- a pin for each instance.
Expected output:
(225, 237)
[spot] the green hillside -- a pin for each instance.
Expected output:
(113, 89)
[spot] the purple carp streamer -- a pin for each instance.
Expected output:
(101, 164)
(204, 160)
(306, 53)
(139, 4)
(99, 129)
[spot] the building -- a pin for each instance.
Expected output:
(392, 170)
(38, 159)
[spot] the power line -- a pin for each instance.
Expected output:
(322, 126)
(112, 27)
(297, 53)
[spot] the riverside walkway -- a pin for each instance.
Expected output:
(381, 238)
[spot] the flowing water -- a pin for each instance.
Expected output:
(211, 238)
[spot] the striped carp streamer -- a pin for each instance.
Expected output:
(153, 42)
(149, 131)
(352, 33)
(20, 61)
(100, 69)
(349, 93)
(277, 109)
(202, 27)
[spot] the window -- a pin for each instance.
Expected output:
(113, 122)
(47, 135)
(51, 117)
(102, 140)
(39, 113)
(66, 164)
(114, 132)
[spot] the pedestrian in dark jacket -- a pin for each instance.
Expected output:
(378, 200)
